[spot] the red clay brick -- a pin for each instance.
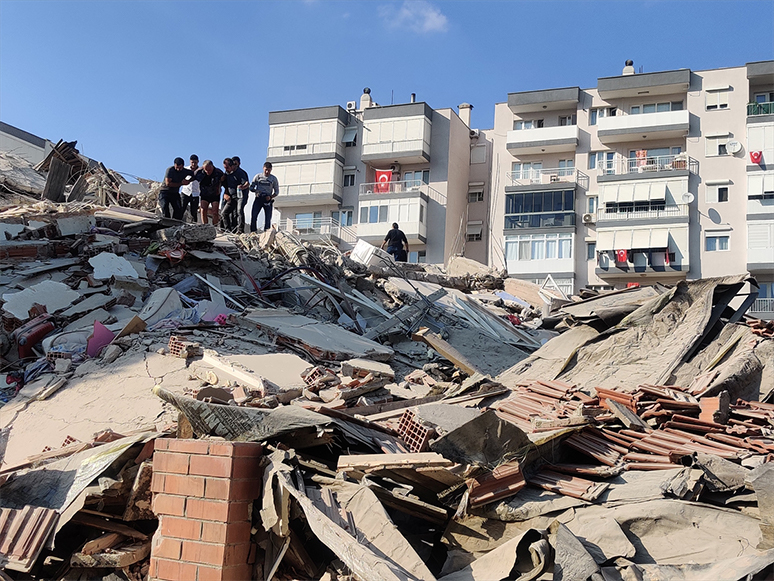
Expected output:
(168, 504)
(171, 462)
(188, 446)
(153, 564)
(237, 573)
(236, 554)
(161, 444)
(175, 570)
(215, 532)
(209, 573)
(184, 485)
(217, 488)
(246, 468)
(180, 528)
(236, 449)
(248, 489)
(204, 553)
(211, 466)
(217, 510)
(167, 548)
(157, 483)
(239, 511)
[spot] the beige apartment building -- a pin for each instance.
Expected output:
(326, 159)
(645, 178)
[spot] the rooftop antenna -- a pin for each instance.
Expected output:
(392, 95)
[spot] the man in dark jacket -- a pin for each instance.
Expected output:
(395, 240)
(169, 195)
(266, 188)
(243, 194)
(209, 186)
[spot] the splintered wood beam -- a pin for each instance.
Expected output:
(445, 349)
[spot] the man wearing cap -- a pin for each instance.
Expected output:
(266, 188)
(395, 240)
(169, 195)
(190, 192)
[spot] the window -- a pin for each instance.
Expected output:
(526, 171)
(717, 192)
(634, 110)
(540, 209)
(342, 217)
(539, 247)
(767, 97)
(474, 231)
(656, 107)
(478, 154)
(717, 99)
(591, 250)
(417, 178)
(595, 114)
(592, 204)
(308, 220)
(716, 145)
(722, 193)
(566, 167)
(349, 179)
(567, 120)
(419, 256)
(531, 124)
(474, 197)
(373, 214)
(716, 243)
(603, 160)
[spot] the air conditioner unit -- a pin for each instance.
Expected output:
(589, 218)
(351, 106)
(395, 167)
(474, 133)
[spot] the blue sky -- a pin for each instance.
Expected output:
(139, 83)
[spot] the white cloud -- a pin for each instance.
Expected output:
(415, 15)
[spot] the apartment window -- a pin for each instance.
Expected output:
(349, 179)
(716, 243)
(420, 256)
(531, 124)
(716, 145)
(474, 197)
(567, 120)
(422, 213)
(478, 154)
(539, 247)
(474, 231)
(373, 214)
(308, 220)
(342, 217)
(417, 178)
(526, 171)
(591, 205)
(656, 107)
(717, 193)
(767, 97)
(566, 167)
(595, 114)
(602, 160)
(717, 99)
(591, 250)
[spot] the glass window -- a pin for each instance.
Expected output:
(422, 213)
(566, 167)
(635, 110)
(651, 108)
(551, 247)
(524, 252)
(565, 247)
(528, 202)
(593, 117)
(349, 179)
(569, 200)
(567, 120)
(538, 250)
(716, 243)
(662, 107)
(677, 105)
(592, 204)
(723, 194)
(591, 250)
(717, 99)
(373, 214)
(304, 220)
(475, 197)
(537, 123)
(364, 215)
(383, 213)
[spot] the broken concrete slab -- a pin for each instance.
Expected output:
(55, 296)
(92, 303)
(107, 265)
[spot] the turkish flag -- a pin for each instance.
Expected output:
(621, 256)
(666, 258)
(383, 179)
(756, 156)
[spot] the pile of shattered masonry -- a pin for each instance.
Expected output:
(183, 404)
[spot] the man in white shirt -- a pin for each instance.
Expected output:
(190, 193)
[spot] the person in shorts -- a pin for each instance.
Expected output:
(210, 183)
(169, 195)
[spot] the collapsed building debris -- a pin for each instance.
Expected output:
(182, 404)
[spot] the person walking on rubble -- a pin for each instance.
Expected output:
(266, 188)
(229, 214)
(243, 193)
(395, 239)
(210, 183)
(190, 192)
(169, 195)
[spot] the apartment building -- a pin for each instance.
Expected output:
(349, 173)
(647, 177)
(24, 144)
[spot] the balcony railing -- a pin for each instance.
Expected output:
(402, 187)
(542, 220)
(558, 175)
(647, 165)
(760, 109)
(308, 189)
(394, 147)
(306, 149)
(604, 215)
(319, 227)
(762, 306)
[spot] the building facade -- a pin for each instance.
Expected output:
(649, 177)
(24, 144)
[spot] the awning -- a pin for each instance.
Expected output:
(475, 228)
(625, 193)
(658, 191)
(350, 133)
(605, 240)
(641, 238)
(659, 238)
(607, 194)
(623, 240)
(641, 192)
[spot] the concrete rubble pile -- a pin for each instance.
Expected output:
(180, 404)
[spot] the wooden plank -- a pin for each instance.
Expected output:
(628, 417)
(410, 506)
(115, 559)
(101, 543)
(445, 350)
(107, 525)
(386, 461)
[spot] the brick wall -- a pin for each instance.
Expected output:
(202, 494)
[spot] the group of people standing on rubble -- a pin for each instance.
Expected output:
(221, 195)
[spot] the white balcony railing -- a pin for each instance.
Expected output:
(660, 122)
(646, 165)
(387, 147)
(402, 187)
(308, 189)
(549, 176)
(305, 149)
(319, 227)
(668, 211)
(762, 306)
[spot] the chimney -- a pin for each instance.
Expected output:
(629, 68)
(413, 97)
(465, 112)
(365, 99)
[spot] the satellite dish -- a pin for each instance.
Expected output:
(733, 147)
(688, 198)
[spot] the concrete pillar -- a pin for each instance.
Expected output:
(465, 110)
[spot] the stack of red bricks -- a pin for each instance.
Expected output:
(203, 493)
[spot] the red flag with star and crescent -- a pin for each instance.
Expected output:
(383, 179)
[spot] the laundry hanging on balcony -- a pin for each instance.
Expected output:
(383, 179)
(756, 156)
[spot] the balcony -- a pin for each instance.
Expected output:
(763, 306)
(559, 175)
(401, 189)
(660, 83)
(407, 151)
(318, 193)
(544, 100)
(542, 140)
(643, 127)
(661, 166)
(760, 109)
(539, 220)
(319, 229)
(306, 150)
(667, 212)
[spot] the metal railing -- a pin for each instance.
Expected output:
(318, 227)
(762, 306)
(554, 175)
(395, 146)
(402, 187)
(658, 163)
(307, 189)
(539, 220)
(606, 214)
(760, 109)
(305, 149)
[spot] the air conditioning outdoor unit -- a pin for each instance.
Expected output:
(474, 133)
(588, 218)
(351, 106)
